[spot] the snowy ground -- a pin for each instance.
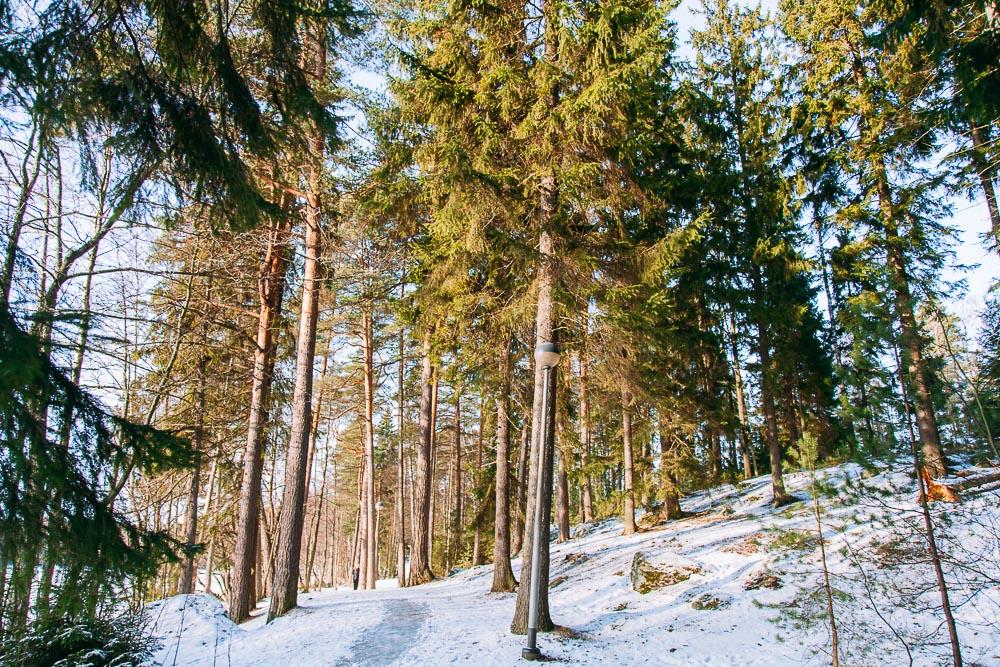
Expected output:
(732, 536)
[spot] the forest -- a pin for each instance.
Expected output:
(274, 273)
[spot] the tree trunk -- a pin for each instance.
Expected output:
(210, 506)
(522, 491)
(420, 562)
(628, 515)
(271, 285)
(741, 403)
(432, 516)
(188, 578)
(284, 594)
(540, 470)
(318, 516)
(544, 333)
(778, 494)
(562, 498)
(477, 551)
(456, 481)
(369, 494)
(930, 441)
(587, 491)
(400, 512)
(362, 549)
(503, 575)
(668, 481)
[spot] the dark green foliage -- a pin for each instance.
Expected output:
(177, 85)
(54, 499)
(68, 641)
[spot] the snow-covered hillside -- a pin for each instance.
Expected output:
(753, 596)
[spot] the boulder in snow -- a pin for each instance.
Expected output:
(647, 577)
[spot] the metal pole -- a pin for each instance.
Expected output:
(531, 652)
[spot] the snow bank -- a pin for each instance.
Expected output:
(752, 602)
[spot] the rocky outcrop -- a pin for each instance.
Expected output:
(647, 577)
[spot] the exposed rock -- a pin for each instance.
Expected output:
(647, 577)
(762, 579)
(557, 581)
(576, 559)
(709, 602)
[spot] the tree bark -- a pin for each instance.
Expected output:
(188, 577)
(671, 498)
(930, 440)
(400, 512)
(213, 500)
(420, 562)
(522, 491)
(456, 482)
(284, 594)
(477, 552)
(562, 498)
(318, 516)
(369, 492)
(628, 515)
(587, 491)
(431, 518)
(778, 494)
(544, 333)
(503, 575)
(741, 402)
(271, 286)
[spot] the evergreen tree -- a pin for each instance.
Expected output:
(58, 494)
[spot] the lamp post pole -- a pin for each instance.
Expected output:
(546, 356)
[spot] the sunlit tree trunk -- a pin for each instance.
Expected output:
(420, 565)
(456, 482)
(369, 491)
(400, 486)
(503, 575)
(284, 594)
(544, 332)
(271, 285)
(586, 487)
(628, 515)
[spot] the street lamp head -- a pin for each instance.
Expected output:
(547, 355)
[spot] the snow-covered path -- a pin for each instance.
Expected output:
(728, 539)
(395, 632)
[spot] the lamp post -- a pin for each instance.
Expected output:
(546, 357)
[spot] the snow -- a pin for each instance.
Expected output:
(731, 534)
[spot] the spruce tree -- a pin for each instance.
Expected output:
(870, 102)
